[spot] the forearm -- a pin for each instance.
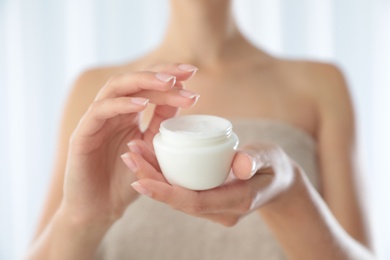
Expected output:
(305, 227)
(68, 239)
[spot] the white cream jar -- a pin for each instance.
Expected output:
(195, 151)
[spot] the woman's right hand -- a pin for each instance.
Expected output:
(97, 183)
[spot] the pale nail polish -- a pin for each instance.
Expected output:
(140, 101)
(188, 94)
(134, 147)
(141, 189)
(165, 77)
(188, 67)
(254, 166)
(196, 100)
(129, 162)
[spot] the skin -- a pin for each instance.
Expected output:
(102, 149)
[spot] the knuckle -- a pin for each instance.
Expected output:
(230, 222)
(94, 106)
(113, 79)
(91, 107)
(171, 200)
(196, 208)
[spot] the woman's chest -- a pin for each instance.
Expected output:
(253, 97)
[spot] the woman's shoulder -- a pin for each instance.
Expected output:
(325, 81)
(324, 84)
(314, 75)
(304, 74)
(321, 84)
(317, 80)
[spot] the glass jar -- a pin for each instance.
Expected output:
(195, 151)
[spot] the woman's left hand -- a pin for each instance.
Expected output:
(261, 173)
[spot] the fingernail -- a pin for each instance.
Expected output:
(134, 147)
(165, 77)
(254, 166)
(140, 101)
(188, 94)
(188, 67)
(196, 100)
(141, 189)
(129, 162)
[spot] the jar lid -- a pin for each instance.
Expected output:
(199, 127)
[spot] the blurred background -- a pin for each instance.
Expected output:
(45, 45)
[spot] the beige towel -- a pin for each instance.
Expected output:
(150, 230)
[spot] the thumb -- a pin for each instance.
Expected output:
(244, 166)
(250, 160)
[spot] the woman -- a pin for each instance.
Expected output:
(294, 120)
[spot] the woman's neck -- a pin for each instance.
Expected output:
(201, 32)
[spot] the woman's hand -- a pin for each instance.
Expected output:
(261, 174)
(97, 182)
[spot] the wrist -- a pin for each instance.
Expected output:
(78, 220)
(85, 235)
(287, 198)
(68, 237)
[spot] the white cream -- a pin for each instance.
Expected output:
(196, 151)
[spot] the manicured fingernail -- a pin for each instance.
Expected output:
(141, 189)
(140, 101)
(129, 162)
(188, 67)
(254, 166)
(196, 100)
(188, 94)
(134, 147)
(165, 77)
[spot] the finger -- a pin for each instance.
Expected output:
(252, 159)
(101, 110)
(233, 198)
(174, 97)
(180, 70)
(183, 99)
(226, 219)
(140, 147)
(130, 83)
(141, 168)
(163, 78)
(244, 166)
(161, 113)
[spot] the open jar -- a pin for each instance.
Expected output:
(195, 151)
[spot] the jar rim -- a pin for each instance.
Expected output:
(198, 127)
